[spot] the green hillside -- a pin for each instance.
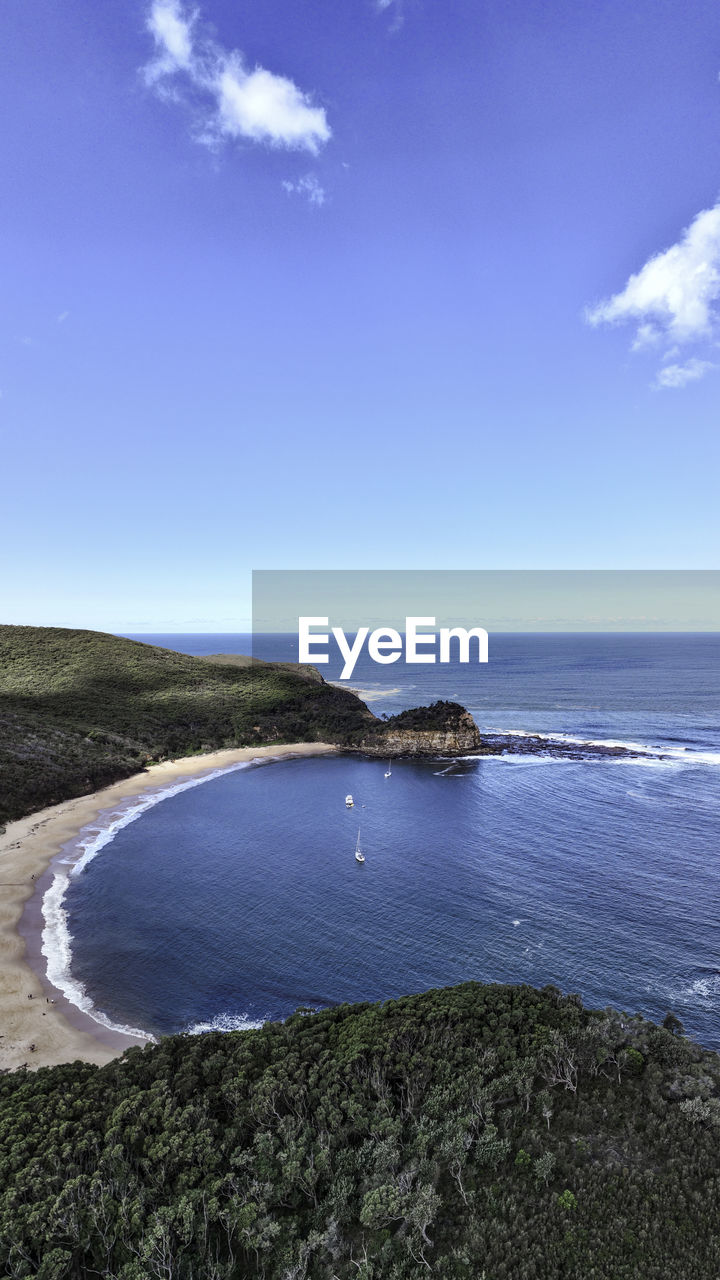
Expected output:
(475, 1133)
(80, 709)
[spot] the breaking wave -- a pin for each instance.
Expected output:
(680, 755)
(226, 1022)
(56, 937)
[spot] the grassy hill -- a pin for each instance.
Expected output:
(80, 709)
(475, 1133)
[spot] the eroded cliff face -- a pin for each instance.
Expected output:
(442, 729)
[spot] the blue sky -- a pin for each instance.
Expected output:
(321, 285)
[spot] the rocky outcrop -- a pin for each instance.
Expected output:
(537, 744)
(445, 728)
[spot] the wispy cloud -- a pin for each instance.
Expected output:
(308, 187)
(236, 102)
(172, 31)
(63, 317)
(395, 7)
(673, 299)
(677, 375)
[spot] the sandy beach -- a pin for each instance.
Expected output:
(38, 1027)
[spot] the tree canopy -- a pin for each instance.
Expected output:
(475, 1132)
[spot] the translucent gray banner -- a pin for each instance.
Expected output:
(498, 600)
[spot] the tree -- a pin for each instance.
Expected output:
(544, 1167)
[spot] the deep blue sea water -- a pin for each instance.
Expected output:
(240, 899)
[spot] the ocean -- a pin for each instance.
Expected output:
(239, 900)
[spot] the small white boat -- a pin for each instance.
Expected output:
(388, 771)
(359, 855)
(349, 802)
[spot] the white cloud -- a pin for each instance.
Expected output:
(236, 102)
(267, 107)
(648, 335)
(307, 186)
(173, 37)
(677, 375)
(63, 317)
(673, 298)
(675, 290)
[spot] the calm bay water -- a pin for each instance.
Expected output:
(240, 899)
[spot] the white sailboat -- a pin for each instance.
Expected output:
(349, 802)
(359, 855)
(388, 771)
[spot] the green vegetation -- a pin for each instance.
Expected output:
(438, 717)
(475, 1133)
(244, 660)
(80, 709)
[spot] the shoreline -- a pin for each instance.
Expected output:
(61, 1031)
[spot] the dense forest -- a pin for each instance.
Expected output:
(474, 1133)
(80, 709)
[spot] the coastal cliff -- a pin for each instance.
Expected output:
(82, 709)
(444, 728)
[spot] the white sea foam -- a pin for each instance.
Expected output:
(56, 936)
(226, 1022)
(371, 694)
(517, 757)
(680, 755)
(703, 990)
(57, 949)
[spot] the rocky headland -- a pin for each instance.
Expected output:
(82, 709)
